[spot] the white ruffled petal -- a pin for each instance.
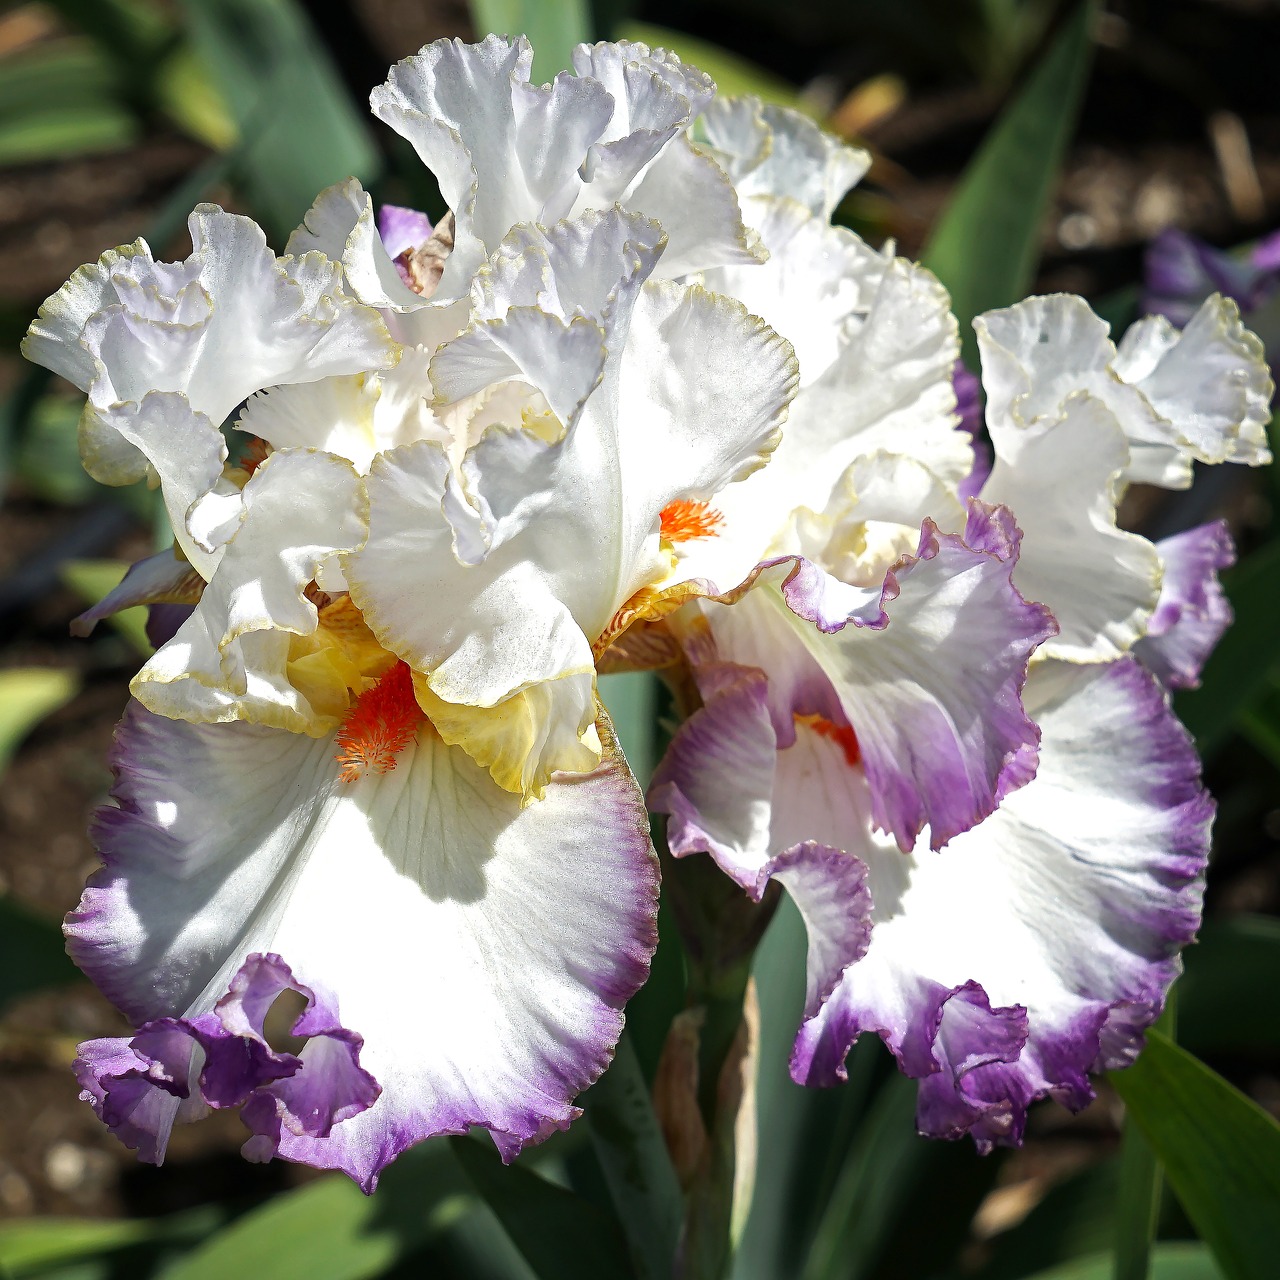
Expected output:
(1200, 395)
(550, 523)
(340, 224)
(771, 150)
(192, 340)
(1211, 381)
(354, 417)
(889, 389)
(493, 638)
(653, 94)
(693, 199)
(453, 102)
(53, 339)
(1061, 480)
(229, 659)
(815, 279)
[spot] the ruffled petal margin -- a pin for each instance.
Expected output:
(928, 675)
(1193, 610)
(1040, 945)
(466, 956)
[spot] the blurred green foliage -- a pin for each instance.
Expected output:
(986, 245)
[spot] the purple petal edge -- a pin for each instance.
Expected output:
(132, 843)
(968, 388)
(981, 1067)
(138, 1085)
(728, 743)
(1193, 611)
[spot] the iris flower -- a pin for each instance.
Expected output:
(633, 402)
(370, 767)
(971, 784)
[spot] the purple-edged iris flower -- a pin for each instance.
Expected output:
(975, 790)
(634, 399)
(368, 765)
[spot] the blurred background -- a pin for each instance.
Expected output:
(1018, 145)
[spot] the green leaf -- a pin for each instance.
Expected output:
(59, 133)
(1259, 723)
(61, 101)
(27, 695)
(33, 1246)
(1220, 1151)
(474, 1247)
(1217, 1011)
(33, 956)
(561, 1236)
(879, 1167)
(1246, 657)
(637, 1167)
(804, 1134)
(732, 74)
(1073, 1220)
(553, 28)
(1138, 1206)
(1168, 1262)
(46, 1242)
(632, 701)
(185, 90)
(48, 459)
(330, 1230)
(300, 130)
(986, 245)
(653, 1008)
(125, 28)
(132, 35)
(69, 71)
(1137, 1212)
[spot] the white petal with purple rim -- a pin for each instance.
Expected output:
(930, 681)
(1038, 946)
(482, 949)
(796, 815)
